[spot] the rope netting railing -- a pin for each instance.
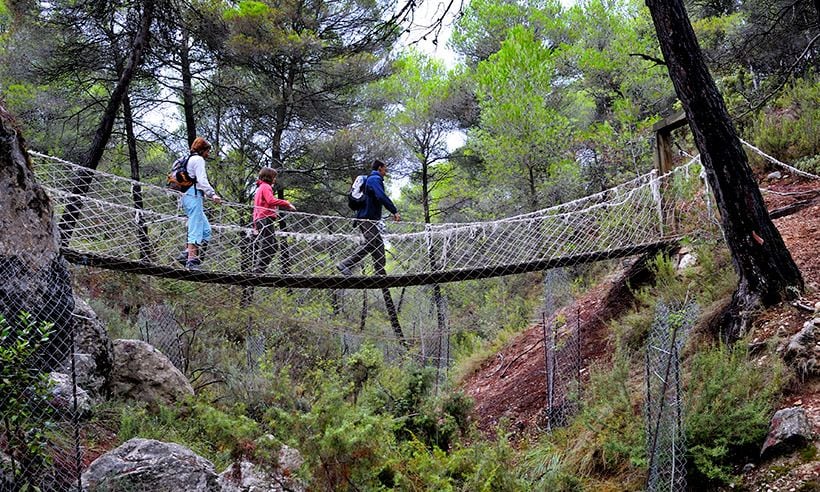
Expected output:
(132, 226)
(779, 163)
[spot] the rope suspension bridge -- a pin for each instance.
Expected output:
(235, 328)
(131, 226)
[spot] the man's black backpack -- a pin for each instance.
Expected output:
(356, 196)
(178, 178)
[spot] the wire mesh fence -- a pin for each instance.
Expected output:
(562, 351)
(563, 362)
(41, 405)
(666, 443)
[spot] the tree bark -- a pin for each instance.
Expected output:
(767, 273)
(91, 158)
(187, 88)
(146, 251)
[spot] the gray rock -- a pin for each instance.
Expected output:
(94, 351)
(802, 352)
(34, 277)
(143, 373)
(687, 260)
(245, 476)
(248, 477)
(150, 466)
(289, 459)
(774, 175)
(62, 395)
(788, 430)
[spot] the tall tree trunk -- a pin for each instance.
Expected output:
(394, 317)
(767, 273)
(438, 297)
(187, 87)
(146, 251)
(91, 158)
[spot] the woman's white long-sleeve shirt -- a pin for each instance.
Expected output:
(196, 169)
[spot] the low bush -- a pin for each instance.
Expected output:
(729, 402)
(221, 436)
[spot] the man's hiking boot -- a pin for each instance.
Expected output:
(193, 264)
(344, 269)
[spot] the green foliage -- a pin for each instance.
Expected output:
(524, 128)
(344, 443)
(485, 24)
(603, 448)
(25, 412)
(546, 472)
(729, 401)
(482, 466)
(222, 436)
(790, 129)
(362, 425)
(709, 280)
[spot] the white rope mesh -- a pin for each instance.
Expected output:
(111, 231)
(779, 163)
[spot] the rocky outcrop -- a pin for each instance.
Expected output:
(245, 476)
(249, 477)
(94, 353)
(33, 276)
(149, 465)
(143, 373)
(788, 430)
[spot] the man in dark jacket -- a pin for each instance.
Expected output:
(369, 216)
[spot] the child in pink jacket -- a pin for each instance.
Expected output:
(265, 208)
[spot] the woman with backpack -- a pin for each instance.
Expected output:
(265, 213)
(199, 229)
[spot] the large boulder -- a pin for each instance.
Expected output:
(143, 373)
(94, 352)
(149, 465)
(33, 275)
(788, 430)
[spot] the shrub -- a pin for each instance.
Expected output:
(221, 436)
(729, 400)
(25, 412)
(345, 445)
(790, 129)
(481, 466)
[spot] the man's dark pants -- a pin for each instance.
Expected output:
(373, 244)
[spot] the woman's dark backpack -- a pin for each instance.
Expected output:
(178, 178)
